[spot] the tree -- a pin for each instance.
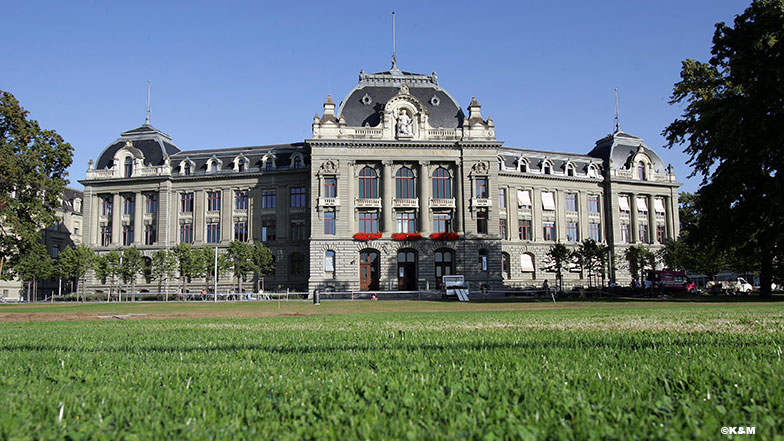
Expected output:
(107, 266)
(34, 264)
(75, 262)
(592, 257)
(640, 259)
(732, 130)
(34, 163)
(559, 255)
(263, 261)
(189, 261)
(162, 268)
(133, 265)
(675, 255)
(240, 258)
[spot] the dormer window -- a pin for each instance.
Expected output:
(128, 167)
(213, 167)
(569, 170)
(240, 164)
(297, 162)
(522, 165)
(641, 175)
(547, 168)
(592, 173)
(186, 169)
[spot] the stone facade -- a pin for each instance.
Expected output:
(398, 157)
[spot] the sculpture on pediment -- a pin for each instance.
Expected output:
(481, 168)
(329, 167)
(404, 124)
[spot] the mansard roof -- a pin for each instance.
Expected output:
(364, 104)
(619, 147)
(153, 144)
(254, 154)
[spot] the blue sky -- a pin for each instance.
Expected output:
(230, 74)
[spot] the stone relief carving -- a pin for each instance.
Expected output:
(330, 166)
(481, 167)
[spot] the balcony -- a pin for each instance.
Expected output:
(480, 202)
(405, 203)
(367, 203)
(442, 203)
(328, 202)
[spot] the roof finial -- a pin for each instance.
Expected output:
(147, 120)
(617, 113)
(394, 43)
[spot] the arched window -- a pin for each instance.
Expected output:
(569, 170)
(296, 265)
(505, 267)
(500, 164)
(240, 164)
(329, 261)
(213, 166)
(444, 264)
(128, 167)
(592, 173)
(297, 161)
(186, 169)
(547, 168)
(368, 183)
(641, 171)
(522, 165)
(442, 184)
(527, 263)
(404, 184)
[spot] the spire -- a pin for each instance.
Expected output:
(147, 119)
(617, 113)
(394, 44)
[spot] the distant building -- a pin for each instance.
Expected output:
(397, 160)
(66, 232)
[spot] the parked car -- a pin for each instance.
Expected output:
(735, 285)
(669, 281)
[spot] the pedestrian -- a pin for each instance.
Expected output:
(546, 288)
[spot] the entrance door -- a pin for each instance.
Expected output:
(368, 270)
(445, 265)
(406, 270)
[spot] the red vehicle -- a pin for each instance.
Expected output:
(669, 280)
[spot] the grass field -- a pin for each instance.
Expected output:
(392, 370)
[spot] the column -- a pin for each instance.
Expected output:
(582, 214)
(458, 183)
(537, 232)
(424, 198)
(116, 215)
(350, 209)
(198, 217)
(386, 203)
(512, 217)
(652, 220)
(226, 224)
(560, 215)
(670, 231)
(93, 218)
(634, 227)
(138, 223)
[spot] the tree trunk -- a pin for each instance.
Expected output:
(766, 272)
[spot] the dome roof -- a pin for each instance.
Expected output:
(618, 148)
(153, 144)
(364, 104)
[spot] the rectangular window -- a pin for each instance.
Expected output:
(623, 204)
(658, 205)
(186, 203)
(502, 197)
(151, 203)
(524, 199)
(524, 229)
(368, 222)
(241, 199)
(297, 230)
(570, 202)
(572, 234)
(269, 199)
(593, 203)
(213, 232)
(150, 234)
(405, 222)
(643, 232)
(330, 187)
(442, 223)
(213, 200)
(595, 231)
(549, 231)
(267, 230)
(329, 222)
(660, 234)
(127, 235)
(297, 197)
(548, 201)
(106, 236)
(129, 204)
(481, 189)
(642, 205)
(503, 229)
(107, 203)
(626, 233)
(186, 233)
(481, 222)
(241, 231)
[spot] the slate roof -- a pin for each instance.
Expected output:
(619, 147)
(153, 143)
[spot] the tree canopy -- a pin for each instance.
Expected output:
(732, 128)
(32, 179)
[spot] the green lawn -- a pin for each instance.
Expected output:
(361, 370)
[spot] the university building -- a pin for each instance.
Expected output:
(396, 188)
